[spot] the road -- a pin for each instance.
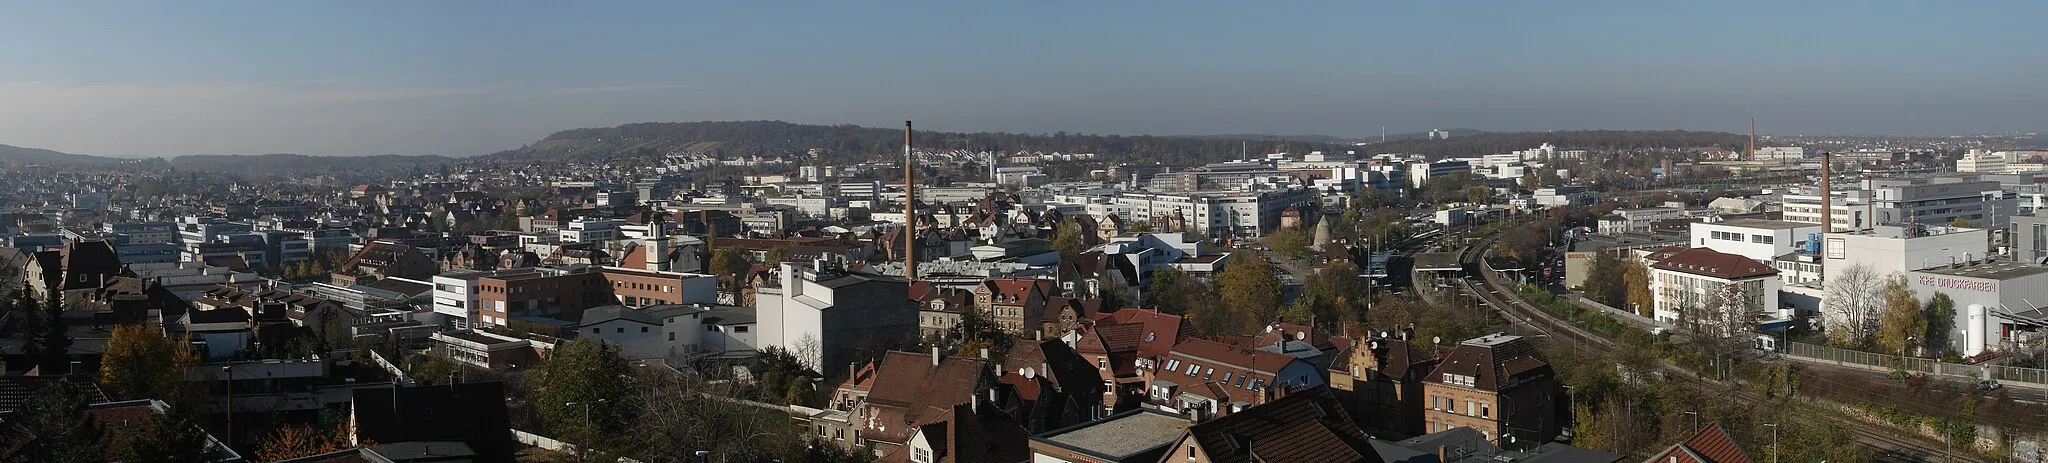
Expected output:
(1886, 445)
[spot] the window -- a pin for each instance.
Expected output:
(593, 331)
(1226, 377)
(1102, 363)
(643, 329)
(1172, 365)
(1485, 410)
(739, 329)
(671, 335)
(1191, 452)
(1471, 408)
(620, 329)
(1192, 368)
(1209, 373)
(921, 455)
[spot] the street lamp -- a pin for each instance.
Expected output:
(1695, 420)
(586, 420)
(228, 381)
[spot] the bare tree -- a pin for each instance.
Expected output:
(1849, 309)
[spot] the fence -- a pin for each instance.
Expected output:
(551, 444)
(1871, 360)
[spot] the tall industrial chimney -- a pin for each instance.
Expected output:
(909, 207)
(1827, 198)
(1752, 141)
(711, 237)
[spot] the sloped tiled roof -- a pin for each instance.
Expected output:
(1710, 445)
(1308, 425)
(910, 383)
(1492, 361)
(1162, 330)
(1708, 262)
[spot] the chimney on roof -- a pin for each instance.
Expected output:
(935, 355)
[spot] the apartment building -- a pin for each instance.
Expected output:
(1498, 384)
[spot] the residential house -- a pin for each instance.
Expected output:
(939, 309)
(1498, 384)
(1711, 444)
(1306, 425)
(1013, 303)
(966, 433)
(384, 258)
(1113, 349)
(1046, 385)
(1216, 378)
(1380, 382)
(908, 390)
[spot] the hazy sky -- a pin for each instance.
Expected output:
(472, 77)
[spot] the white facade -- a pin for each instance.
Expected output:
(590, 231)
(1420, 173)
(1997, 303)
(1888, 250)
(654, 332)
(1780, 153)
(1676, 291)
(1978, 160)
(1850, 209)
(455, 297)
(1760, 240)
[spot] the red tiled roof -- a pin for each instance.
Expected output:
(1711, 263)
(913, 391)
(1491, 365)
(1162, 330)
(1308, 425)
(1710, 445)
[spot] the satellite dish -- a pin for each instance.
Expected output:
(1375, 345)
(1383, 334)
(1030, 373)
(1436, 340)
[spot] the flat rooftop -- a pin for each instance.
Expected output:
(1762, 224)
(1427, 261)
(1121, 437)
(1992, 270)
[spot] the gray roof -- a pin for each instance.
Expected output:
(1762, 224)
(1118, 437)
(729, 316)
(1999, 270)
(617, 312)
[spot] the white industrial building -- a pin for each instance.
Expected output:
(1760, 240)
(1999, 304)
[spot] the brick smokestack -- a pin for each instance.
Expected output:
(1827, 198)
(909, 207)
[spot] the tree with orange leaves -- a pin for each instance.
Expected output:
(290, 442)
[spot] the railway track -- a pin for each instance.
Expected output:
(1886, 446)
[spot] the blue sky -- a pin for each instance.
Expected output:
(472, 77)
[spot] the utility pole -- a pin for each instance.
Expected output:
(1774, 441)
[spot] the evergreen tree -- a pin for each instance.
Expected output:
(43, 338)
(59, 428)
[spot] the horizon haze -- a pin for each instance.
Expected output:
(465, 78)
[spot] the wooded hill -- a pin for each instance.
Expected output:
(776, 138)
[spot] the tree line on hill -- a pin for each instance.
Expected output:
(777, 138)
